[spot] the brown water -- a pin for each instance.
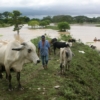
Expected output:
(26, 33)
(86, 33)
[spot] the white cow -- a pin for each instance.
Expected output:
(65, 58)
(14, 54)
(3, 43)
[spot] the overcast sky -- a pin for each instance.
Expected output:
(90, 8)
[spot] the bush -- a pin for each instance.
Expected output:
(63, 26)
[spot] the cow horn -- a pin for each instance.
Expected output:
(18, 49)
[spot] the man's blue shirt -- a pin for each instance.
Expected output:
(43, 48)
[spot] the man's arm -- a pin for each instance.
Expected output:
(49, 47)
(38, 49)
(49, 50)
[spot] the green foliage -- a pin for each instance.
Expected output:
(83, 78)
(62, 18)
(97, 25)
(6, 14)
(33, 23)
(47, 21)
(16, 20)
(4, 25)
(63, 26)
(1, 16)
(47, 18)
(51, 27)
(43, 23)
(26, 19)
(64, 37)
(55, 19)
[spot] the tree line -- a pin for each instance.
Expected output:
(5, 17)
(15, 18)
(70, 19)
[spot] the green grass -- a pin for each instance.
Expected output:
(52, 27)
(1, 35)
(4, 25)
(81, 82)
(98, 25)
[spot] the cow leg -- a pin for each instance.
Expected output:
(1, 76)
(63, 71)
(61, 68)
(9, 79)
(54, 50)
(6, 76)
(18, 79)
(68, 65)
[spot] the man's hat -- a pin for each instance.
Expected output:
(42, 36)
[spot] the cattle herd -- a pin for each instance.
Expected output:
(65, 52)
(15, 53)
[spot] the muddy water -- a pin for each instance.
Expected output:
(86, 33)
(26, 33)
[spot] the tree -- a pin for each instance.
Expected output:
(33, 23)
(1, 15)
(47, 18)
(62, 18)
(47, 21)
(26, 19)
(16, 20)
(6, 14)
(63, 26)
(43, 23)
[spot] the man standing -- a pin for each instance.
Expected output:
(44, 51)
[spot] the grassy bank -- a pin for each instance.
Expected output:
(4, 25)
(52, 27)
(81, 82)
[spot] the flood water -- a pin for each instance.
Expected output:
(86, 33)
(26, 33)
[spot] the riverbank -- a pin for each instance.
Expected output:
(81, 82)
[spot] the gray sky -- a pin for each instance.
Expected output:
(90, 8)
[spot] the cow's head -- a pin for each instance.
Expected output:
(67, 45)
(28, 51)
